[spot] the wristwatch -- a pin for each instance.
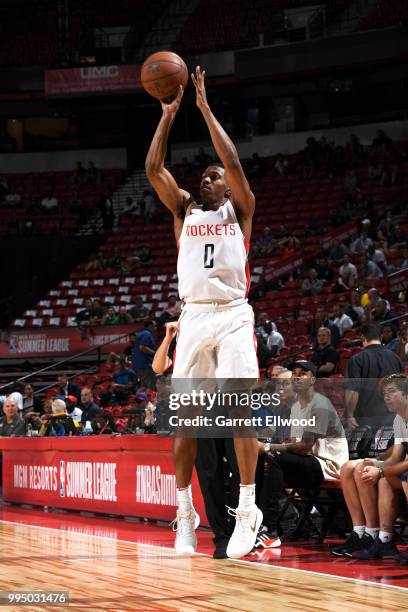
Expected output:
(381, 470)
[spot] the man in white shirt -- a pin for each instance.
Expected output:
(49, 202)
(348, 272)
(73, 410)
(342, 320)
(13, 199)
(317, 449)
(274, 340)
(261, 318)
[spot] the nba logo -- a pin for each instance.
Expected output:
(12, 344)
(62, 479)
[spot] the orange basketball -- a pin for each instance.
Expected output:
(162, 73)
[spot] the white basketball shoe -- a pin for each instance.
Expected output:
(185, 525)
(246, 529)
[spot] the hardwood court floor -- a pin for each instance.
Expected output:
(115, 565)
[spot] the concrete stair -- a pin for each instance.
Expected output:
(133, 187)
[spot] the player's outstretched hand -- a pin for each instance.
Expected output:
(201, 95)
(173, 106)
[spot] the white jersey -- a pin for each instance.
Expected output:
(212, 261)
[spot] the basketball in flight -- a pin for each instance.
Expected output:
(162, 74)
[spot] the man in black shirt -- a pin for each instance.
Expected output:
(68, 387)
(325, 357)
(139, 312)
(364, 403)
(89, 409)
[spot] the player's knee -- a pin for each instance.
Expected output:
(347, 470)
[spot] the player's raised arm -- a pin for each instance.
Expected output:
(159, 177)
(242, 196)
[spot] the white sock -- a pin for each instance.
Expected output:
(184, 499)
(246, 497)
(385, 536)
(359, 530)
(372, 532)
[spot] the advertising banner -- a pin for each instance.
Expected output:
(283, 267)
(64, 341)
(340, 234)
(93, 80)
(127, 476)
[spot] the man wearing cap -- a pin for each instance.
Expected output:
(316, 452)
(73, 410)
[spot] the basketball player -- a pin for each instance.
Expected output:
(215, 338)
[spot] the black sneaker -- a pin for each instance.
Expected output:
(377, 550)
(353, 542)
(267, 538)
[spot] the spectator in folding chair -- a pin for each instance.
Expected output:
(316, 453)
(371, 499)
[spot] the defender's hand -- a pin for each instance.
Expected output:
(172, 107)
(201, 95)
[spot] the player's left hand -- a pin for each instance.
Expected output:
(201, 95)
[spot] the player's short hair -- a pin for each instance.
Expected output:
(216, 165)
(400, 380)
(371, 330)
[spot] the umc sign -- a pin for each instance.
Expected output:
(99, 72)
(93, 79)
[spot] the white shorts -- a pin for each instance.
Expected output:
(216, 341)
